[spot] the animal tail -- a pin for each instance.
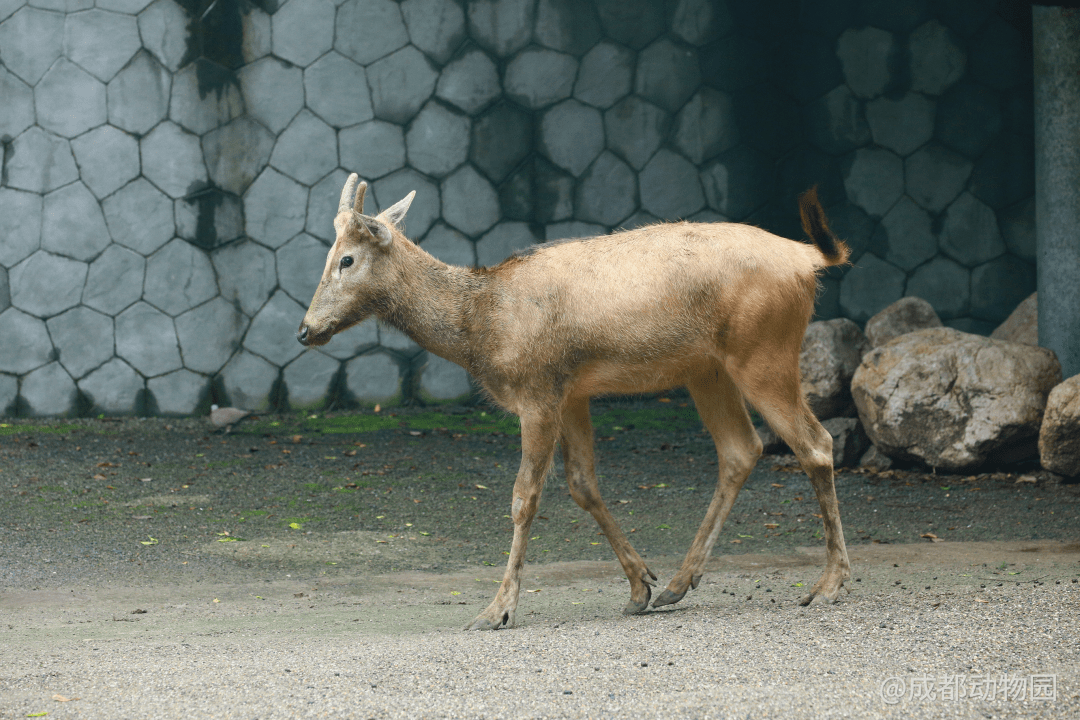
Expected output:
(814, 224)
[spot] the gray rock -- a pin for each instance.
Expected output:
(400, 84)
(369, 29)
(372, 149)
(874, 459)
(274, 208)
(246, 274)
(1022, 325)
(865, 55)
(450, 246)
(438, 140)
(934, 176)
(1017, 224)
(39, 162)
(273, 330)
(308, 379)
(635, 129)
(849, 441)
(567, 26)
(902, 125)
(172, 159)
(667, 74)
(113, 389)
(373, 378)
(874, 180)
(970, 233)
(699, 21)
(706, 127)
(443, 381)
(501, 138)
(906, 234)
(20, 225)
(146, 339)
(101, 42)
(108, 159)
(670, 188)
(73, 224)
(469, 202)
(273, 92)
(632, 22)
(539, 77)
(300, 266)
(969, 117)
(831, 352)
(424, 210)
(9, 391)
(323, 204)
(771, 443)
(954, 401)
(903, 316)
(139, 216)
(936, 58)
(179, 277)
(354, 341)
(163, 29)
(469, 82)
(836, 122)
(572, 135)
(1059, 434)
(138, 97)
(435, 26)
(32, 40)
(501, 26)
(114, 282)
(306, 150)
(19, 104)
(45, 284)
(248, 380)
(34, 348)
(943, 284)
(209, 335)
(336, 90)
(501, 241)
(48, 392)
(738, 182)
(604, 76)
(179, 393)
(869, 287)
(236, 153)
(999, 286)
(572, 229)
(607, 192)
(303, 31)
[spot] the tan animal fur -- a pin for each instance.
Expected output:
(719, 308)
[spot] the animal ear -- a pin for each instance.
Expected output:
(379, 231)
(396, 213)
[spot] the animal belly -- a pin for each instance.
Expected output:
(607, 378)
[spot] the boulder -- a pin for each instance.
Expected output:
(849, 441)
(831, 352)
(1059, 436)
(953, 400)
(874, 459)
(903, 316)
(1022, 325)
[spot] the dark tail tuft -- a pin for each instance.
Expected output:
(814, 224)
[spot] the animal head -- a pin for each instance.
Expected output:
(359, 272)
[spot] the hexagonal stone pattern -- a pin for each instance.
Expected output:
(48, 391)
(934, 176)
(302, 30)
(273, 92)
(257, 30)
(907, 235)
(901, 125)
(113, 388)
(869, 287)
(424, 210)
(107, 158)
(448, 245)
(273, 329)
(393, 339)
(836, 122)
(631, 22)
(438, 140)
(178, 393)
(874, 180)
(369, 29)
(443, 380)
(970, 233)
(571, 230)
(172, 159)
(469, 203)
(9, 390)
(706, 126)
(699, 21)
(196, 109)
(864, 55)
(163, 29)
(1017, 225)
(607, 192)
(501, 26)
(998, 286)
(139, 216)
(567, 25)
(372, 149)
(968, 118)
(502, 241)
(308, 378)
(435, 26)
(236, 153)
(274, 208)
(115, 280)
(572, 135)
(323, 204)
(179, 277)
(72, 223)
(20, 225)
(138, 97)
(400, 84)
(670, 188)
(373, 378)
(469, 82)
(738, 182)
(357, 339)
(246, 274)
(248, 380)
(5, 289)
(146, 338)
(39, 162)
(210, 334)
(82, 338)
(667, 74)
(635, 129)
(32, 39)
(604, 76)
(538, 77)
(101, 42)
(1005, 173)
(943, 284)
(19, 104)
(936, 58)
(301, 261)
(306, 150)
(336, 90)
(209, 218)
(34, 348)
(501, 138)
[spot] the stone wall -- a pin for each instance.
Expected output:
(171, 168)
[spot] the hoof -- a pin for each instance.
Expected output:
(668, 598)
(483, 623)
(633, 607)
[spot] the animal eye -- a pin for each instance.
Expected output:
(346, 261)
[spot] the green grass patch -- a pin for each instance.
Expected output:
(313, 487)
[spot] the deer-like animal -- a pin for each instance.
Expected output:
(719, 308)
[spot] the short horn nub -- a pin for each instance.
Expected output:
(347, 193)
(361, 191)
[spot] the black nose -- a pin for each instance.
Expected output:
(301, 335)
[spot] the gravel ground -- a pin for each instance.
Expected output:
(343, 580)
